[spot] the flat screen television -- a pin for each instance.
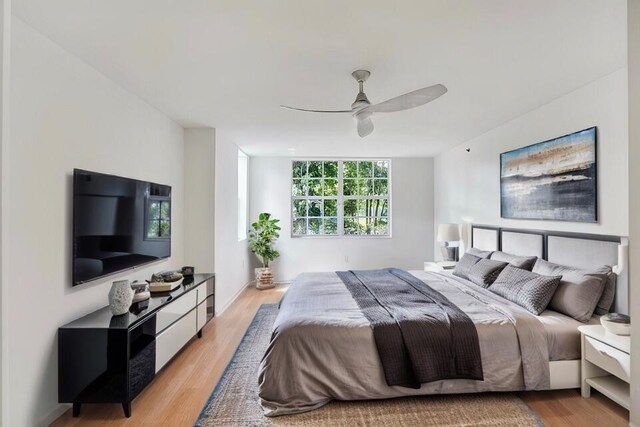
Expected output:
(118, 223)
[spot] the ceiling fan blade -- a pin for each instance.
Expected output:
(365, 127)
(316, 111)
(409, 100)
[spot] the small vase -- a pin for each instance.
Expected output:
(264, 278)
(120, 297)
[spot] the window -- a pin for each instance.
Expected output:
(340, 198)
(242, 195)
(158, 218)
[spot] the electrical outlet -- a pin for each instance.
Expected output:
(346, 258)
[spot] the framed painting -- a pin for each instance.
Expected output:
(552, 180)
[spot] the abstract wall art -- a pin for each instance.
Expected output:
(551, 180)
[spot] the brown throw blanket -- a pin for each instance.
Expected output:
(420, 335)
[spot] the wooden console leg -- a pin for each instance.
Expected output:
(76, 409)
(126, 406)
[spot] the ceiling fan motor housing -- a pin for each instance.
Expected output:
(360, 102)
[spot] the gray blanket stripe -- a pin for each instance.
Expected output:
(420, 335)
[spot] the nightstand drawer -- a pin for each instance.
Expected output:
(608, 358)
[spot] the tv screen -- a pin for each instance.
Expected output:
(118, 223)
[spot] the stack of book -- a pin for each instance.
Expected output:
(165, 281)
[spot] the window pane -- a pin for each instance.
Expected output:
(299, 208)
(350, 169)
(365, 187)
(350, 207)
(153, 229)
(381, 226)
(315, 226)
(350, 187)
(380, 169)
(331, 169)
(165, 228)
(351, 226)
(165, 210)
(299, 187)
(331, 226)
(364, 207)
(154, 210)
(365, 169)
(299, 227)
(330, 187)
(315, 169)
(315, 187)
(380, 187)
(330, 207)
(299, 169)
(315, 207)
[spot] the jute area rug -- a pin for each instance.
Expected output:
(234, 401)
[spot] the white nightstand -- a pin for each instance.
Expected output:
(606, 363)
(439, 265)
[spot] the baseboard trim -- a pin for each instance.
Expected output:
(54, 415)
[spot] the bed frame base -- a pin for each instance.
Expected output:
(564, 374)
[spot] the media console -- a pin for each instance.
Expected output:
(110, 359)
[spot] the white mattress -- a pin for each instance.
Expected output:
(563, 335)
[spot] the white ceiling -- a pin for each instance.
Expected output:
(229, 64)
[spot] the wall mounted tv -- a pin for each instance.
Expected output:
(118, 223)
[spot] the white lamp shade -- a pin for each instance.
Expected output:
(448, 232)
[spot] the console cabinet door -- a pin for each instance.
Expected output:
(171, 340)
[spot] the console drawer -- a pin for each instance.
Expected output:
(175, 310)
(608, 358)
(202, 292)
(202, 315)
(169, 342)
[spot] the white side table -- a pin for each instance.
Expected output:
(439, 265)
(606, 363)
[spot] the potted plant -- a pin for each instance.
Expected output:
(262, 236)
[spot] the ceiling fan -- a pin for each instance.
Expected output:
(362, 109)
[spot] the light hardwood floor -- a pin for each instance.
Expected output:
(180, 390)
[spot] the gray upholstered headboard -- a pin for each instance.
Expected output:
(572, 249)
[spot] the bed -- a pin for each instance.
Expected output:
(323, 346)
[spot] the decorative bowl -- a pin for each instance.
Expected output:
(616, 323)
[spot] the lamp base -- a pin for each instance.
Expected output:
(449, 253)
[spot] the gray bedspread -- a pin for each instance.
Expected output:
(322, 346)
(420, 335)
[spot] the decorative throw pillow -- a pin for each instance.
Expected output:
(524, 262)
(529, 290)
(579, 290)
(606, 300)
(479, 253)
(464, 265)
(484, 272)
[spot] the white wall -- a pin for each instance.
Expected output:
(412, 222)
(232, 257)
(467, 185)
(199, 198)
(5, 68)
(67, 115)
(633, 27)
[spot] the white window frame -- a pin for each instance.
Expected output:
(341, 197)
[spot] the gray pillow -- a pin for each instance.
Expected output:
(484, 272)
(479, 253)
(463, 266)
(579, 290)
(529, 290)
(606, 300)
(524, 262)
